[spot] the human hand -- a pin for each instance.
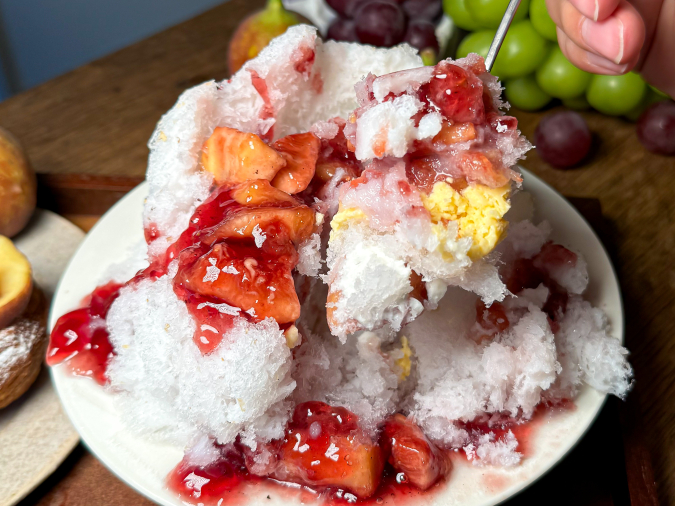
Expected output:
(616, 36)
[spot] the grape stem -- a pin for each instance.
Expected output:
(501, 33)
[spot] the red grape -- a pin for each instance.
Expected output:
(656, 128)
(344, 8)
(422, 35)
(563, 139)
(380, 23)
(429, 10)
(343, 30)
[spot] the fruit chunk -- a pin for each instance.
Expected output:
(422, 463)
(259, 192)
(452, 133)
(458, 94)
(300, 221)
(324, 447)
(234, 157)
(245, 277)
(17, 186)
(16, 283)
(301, 152)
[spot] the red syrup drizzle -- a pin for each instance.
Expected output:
(229, 480)
(81, 338)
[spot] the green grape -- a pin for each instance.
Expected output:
(616, 95)
(489, 13)
(525, 93)
(658, 91)
(559, 78)
(651, 96)
(522, 52)
(476, 42)
(541, 21)
(577, 103)
(456, 10)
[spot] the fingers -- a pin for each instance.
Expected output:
(609, 46)
(597, 10)
(589, 61)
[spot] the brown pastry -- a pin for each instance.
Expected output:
(23, 315)
(22, 349)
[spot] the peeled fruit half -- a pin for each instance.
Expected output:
(16, 283)
(256, 32)
(235, 157)
(17, 186)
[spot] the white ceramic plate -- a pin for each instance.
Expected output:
(144, 464)
(35, 434)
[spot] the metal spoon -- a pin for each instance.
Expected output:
(501, 33)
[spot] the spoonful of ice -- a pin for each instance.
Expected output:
(501, 33)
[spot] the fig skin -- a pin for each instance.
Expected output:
(18, 186)
(256, 32)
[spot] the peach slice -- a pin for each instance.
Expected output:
(301, 152)
(299, 220)
(452, 133)
(234, 157)
(259, 192)
(17, 186)
(16, 283)
(244, 277)
(412, 453)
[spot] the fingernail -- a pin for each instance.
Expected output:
(604, 63)
(597, 10)
(606, 37)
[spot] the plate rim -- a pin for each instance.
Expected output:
(58, 374)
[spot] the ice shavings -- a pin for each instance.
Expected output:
(166, 388)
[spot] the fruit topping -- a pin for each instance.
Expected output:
(234, 157)
(80, 337)
(452, 133)
(255, 280)
(242, 223)
(16, 283)
(301, 152)
(259, 192)
(324, 447)
(457, 93)
(419, 461)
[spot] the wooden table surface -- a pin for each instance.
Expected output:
(97, 119)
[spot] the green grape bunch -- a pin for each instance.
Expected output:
(533, 69)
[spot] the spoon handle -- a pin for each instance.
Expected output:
(501, 33)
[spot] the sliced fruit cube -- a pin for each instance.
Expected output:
(299, 220)
(234, 157)
(458, 94)
(301, 152)
(452, 133)
(246, 279)
(324, 447)
(259, 192)
(412, 453)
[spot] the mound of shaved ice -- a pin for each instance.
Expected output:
(296, 81)
(248, 385)
(173, 391)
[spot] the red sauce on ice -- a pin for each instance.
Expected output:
(81, 338)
